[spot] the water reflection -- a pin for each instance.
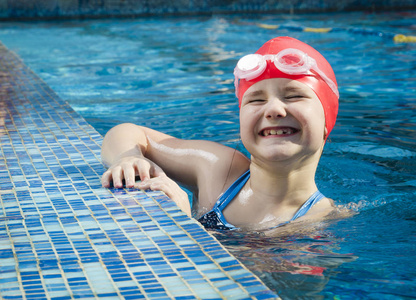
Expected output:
(294, 265)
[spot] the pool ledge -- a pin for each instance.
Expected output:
(63, 236)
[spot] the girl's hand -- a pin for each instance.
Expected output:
(128, 168)
(170, 188)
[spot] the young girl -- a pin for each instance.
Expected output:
(288, 100)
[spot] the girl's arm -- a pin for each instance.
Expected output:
(204, 167)
(130, 150)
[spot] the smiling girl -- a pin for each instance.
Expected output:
(288, 101)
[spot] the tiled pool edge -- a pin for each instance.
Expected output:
(64, 237)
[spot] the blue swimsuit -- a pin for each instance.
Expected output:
(214, 219)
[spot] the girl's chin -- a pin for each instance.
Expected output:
(284, 154)
(275, 157)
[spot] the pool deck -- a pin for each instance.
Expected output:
(63, 236)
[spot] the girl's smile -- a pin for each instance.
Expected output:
(281, 131)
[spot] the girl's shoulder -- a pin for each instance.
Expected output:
(321, 210)
(219, 176)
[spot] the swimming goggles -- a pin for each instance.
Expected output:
(289, 61)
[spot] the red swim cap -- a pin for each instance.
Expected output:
(328, 98)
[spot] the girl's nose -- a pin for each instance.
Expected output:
(275, 109)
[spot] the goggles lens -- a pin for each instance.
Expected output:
(250, 66)
(293, 62)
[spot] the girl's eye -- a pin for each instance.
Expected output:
(295, 96)
(256, 101)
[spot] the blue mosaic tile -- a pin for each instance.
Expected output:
(65, 237)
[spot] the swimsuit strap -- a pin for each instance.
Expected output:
(315, 198)
(214, 218)
(232, 191)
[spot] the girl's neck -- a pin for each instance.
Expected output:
(282, 184)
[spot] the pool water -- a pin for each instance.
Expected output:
(175, 75)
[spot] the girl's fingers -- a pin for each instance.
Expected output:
(160, 186)
(128, 169)
(149, 184)
(143, 168)
(106, 179)
(148, 169)
(129, 176)
(170, 188)
(117, 174)
(157, 184)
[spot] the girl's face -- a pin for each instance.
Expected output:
(282, 119)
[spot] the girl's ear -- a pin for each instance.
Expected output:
(325, 133)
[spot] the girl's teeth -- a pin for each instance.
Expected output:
(277, 132)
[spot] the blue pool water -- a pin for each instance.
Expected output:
(175, 75)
